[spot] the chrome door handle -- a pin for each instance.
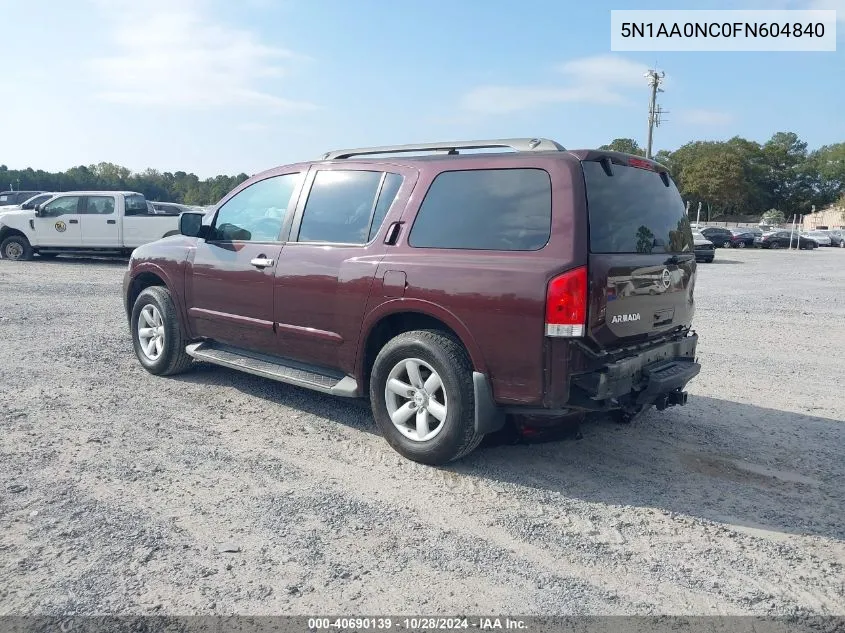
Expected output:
(261, 262)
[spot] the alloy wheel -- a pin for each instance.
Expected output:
(416, 399)
(151, 332)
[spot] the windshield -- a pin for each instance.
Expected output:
(635, 211)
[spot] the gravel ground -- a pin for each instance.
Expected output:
(219, 492)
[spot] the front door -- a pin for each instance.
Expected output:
(59, 222)
(326, 270)
(100, 228)
(230, 280)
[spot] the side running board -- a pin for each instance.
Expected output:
(281, 370)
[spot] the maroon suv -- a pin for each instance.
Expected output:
(449, 288)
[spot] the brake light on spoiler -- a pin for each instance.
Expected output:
(566, 304)
(640, 163)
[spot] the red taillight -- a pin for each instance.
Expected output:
(640, 163)
(566, 304)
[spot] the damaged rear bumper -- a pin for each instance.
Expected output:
(653, 376)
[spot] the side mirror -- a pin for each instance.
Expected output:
(190, 225)
(37, 209)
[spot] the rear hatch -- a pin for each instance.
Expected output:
(642, 260)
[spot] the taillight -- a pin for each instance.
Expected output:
(566, 304)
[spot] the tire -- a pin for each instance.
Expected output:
(170, 358)
(16, 247)
(741, 245)
(432, 352)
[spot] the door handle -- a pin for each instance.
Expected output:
(73, 221)
(261, 262)
(111, 221)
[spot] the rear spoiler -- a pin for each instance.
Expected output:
(608, 159)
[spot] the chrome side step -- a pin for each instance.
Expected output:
(273, 368)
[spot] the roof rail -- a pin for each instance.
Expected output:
(452, 147)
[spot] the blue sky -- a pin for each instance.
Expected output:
(214, 86)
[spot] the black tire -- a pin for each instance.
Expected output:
(173, 359)
(449, 359)
(16, 247)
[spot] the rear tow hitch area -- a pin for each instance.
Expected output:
(630, 413)
(674, 398)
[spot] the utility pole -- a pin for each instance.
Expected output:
(655, 78)
(698, 215)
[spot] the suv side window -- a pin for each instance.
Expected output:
(340, 207)
(98, 205)
(257, 213)
(66, 205)
(486, 209)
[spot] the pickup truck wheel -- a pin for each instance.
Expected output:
(156, 335)
(422, 397)
(16, 247)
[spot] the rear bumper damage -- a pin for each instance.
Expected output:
(654, 376)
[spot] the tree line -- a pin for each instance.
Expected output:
(742, 177)
(155, 185)
(734, 177)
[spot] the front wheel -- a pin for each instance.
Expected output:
(422, 397)
(741, 245)
(16, 247)
(156, 334)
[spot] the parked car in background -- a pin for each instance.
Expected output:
(31, 203)
(446, 288)
(782, 239)
(705, 251)
(740, 238)
(171, 208)
(90, 222)
(14, 198)
(720, 236)
(837, 237)
(819, 237)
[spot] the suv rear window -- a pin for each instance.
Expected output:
(634, 211)
(486, 209)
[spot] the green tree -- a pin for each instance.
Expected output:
(626, 145)
(774, 216)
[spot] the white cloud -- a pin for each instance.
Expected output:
(250, 126)
(605, 70)
(174, 54)
(602, 79)
(705, 117)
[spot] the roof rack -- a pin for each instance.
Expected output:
(451, 147)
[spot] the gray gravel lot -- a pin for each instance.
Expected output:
(120, 491)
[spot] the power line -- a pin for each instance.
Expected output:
(655, 112)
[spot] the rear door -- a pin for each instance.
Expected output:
(100, 227)
(59, 222)
(642, 261)
(327, 267)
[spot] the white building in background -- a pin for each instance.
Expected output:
(831, 218)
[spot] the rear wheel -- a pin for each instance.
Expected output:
(156, 333)
(16, 247)
(422, 397)
(741, 245)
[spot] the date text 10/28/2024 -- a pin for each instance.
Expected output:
(415, 624)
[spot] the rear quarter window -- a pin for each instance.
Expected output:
(486, 209)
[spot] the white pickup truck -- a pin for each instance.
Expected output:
(84, 222)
